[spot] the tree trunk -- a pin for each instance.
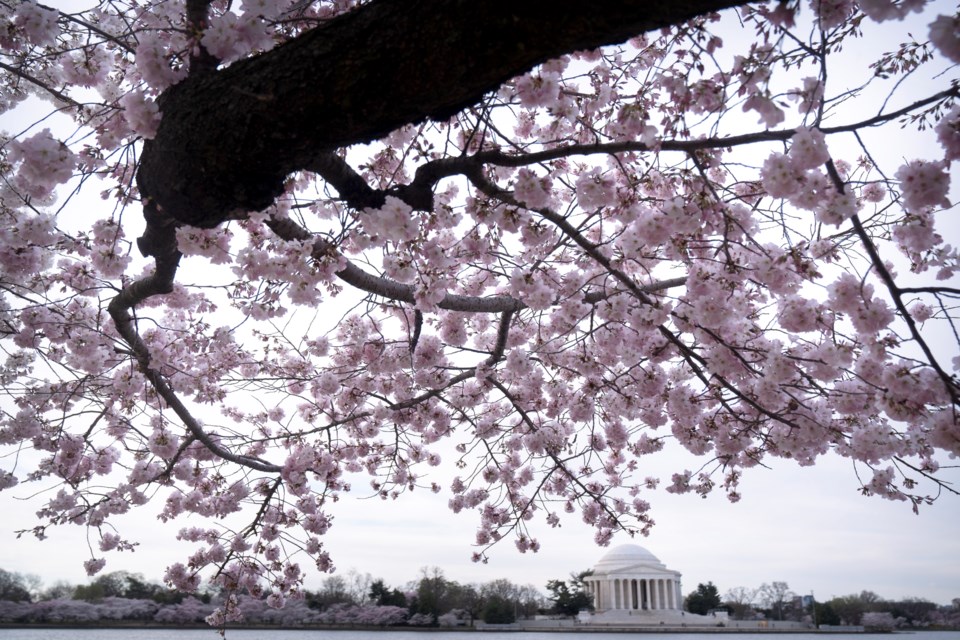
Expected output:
(228, 138)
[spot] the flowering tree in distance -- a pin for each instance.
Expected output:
(530, 240)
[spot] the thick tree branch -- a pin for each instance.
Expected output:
(229, 138)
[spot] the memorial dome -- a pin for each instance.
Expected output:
(627, 556)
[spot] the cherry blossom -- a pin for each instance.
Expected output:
(948, 133)
(141, 113)
(832, 13)
(924, 184)
(541, 283)
(945, 35)
(39, 24)
(394, 221)
(44, 162)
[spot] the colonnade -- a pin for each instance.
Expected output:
(643, 594)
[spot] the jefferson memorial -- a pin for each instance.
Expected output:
(630, 581)
(633, 590)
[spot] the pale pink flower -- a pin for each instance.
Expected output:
(916, 234)
(837, 207)
(39, 25)
(178, 577)
(595, 190)
(532, 190)
(832, 13)
(880, 10)
(153, 61)
(213, 244)
(87, 68)
(141, 113)
(649, 229)
(221, 37)
(631, 125)
(948, 133)
(770, 114)
(109, 541)
(94, 565)
(163, 443)
(921, 312)
(707, 96)
(44, 161)
(945, 36)
(809, 96)
(7, 480)
(872, 317)
(782, 15)
(393, 221)
(779, 176)
(808, 149)
(538, 91)
(923, 184)
(799, 314)
(265, 8)
(874, 192)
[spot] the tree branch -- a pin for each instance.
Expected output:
(895, 294)
(163, 247)
(355, 191)
(229, 138)
(353, 275)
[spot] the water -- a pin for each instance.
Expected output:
(325, 634)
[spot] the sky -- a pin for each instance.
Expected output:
(808, 527)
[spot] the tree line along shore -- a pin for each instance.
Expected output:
(121, 598)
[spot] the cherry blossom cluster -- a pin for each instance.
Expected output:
(671, 240)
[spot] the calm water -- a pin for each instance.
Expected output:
(258, 634)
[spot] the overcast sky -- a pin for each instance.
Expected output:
(807, 527)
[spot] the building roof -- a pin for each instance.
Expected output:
(629, 558)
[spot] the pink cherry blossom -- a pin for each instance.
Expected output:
(945, 36)
(394, 221)
(94, 566)
(39, 24)
(924, 184)
(770, 114)
(141, 114)
(832, 13)
(44, 163)
(156, 61)
(881, 10)
(948, 133)
(808, 149)
(230, 37)
(595, 189)
(538, 91)
(532, 190)
(541, 281)
(780, 176)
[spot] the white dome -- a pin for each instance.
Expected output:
(627, 556)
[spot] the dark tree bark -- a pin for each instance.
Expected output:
(228, 138)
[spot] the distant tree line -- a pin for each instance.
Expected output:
(432, 599)
(776, 601)
(351, 598)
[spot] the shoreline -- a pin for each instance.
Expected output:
(512, 628)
